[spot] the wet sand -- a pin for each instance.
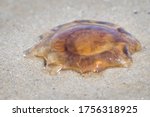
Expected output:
(21, 22)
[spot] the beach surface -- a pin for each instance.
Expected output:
(21, 23)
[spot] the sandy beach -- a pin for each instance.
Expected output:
(21, 23)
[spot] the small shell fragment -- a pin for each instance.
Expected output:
(85, 46)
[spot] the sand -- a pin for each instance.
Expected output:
(22, 21)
